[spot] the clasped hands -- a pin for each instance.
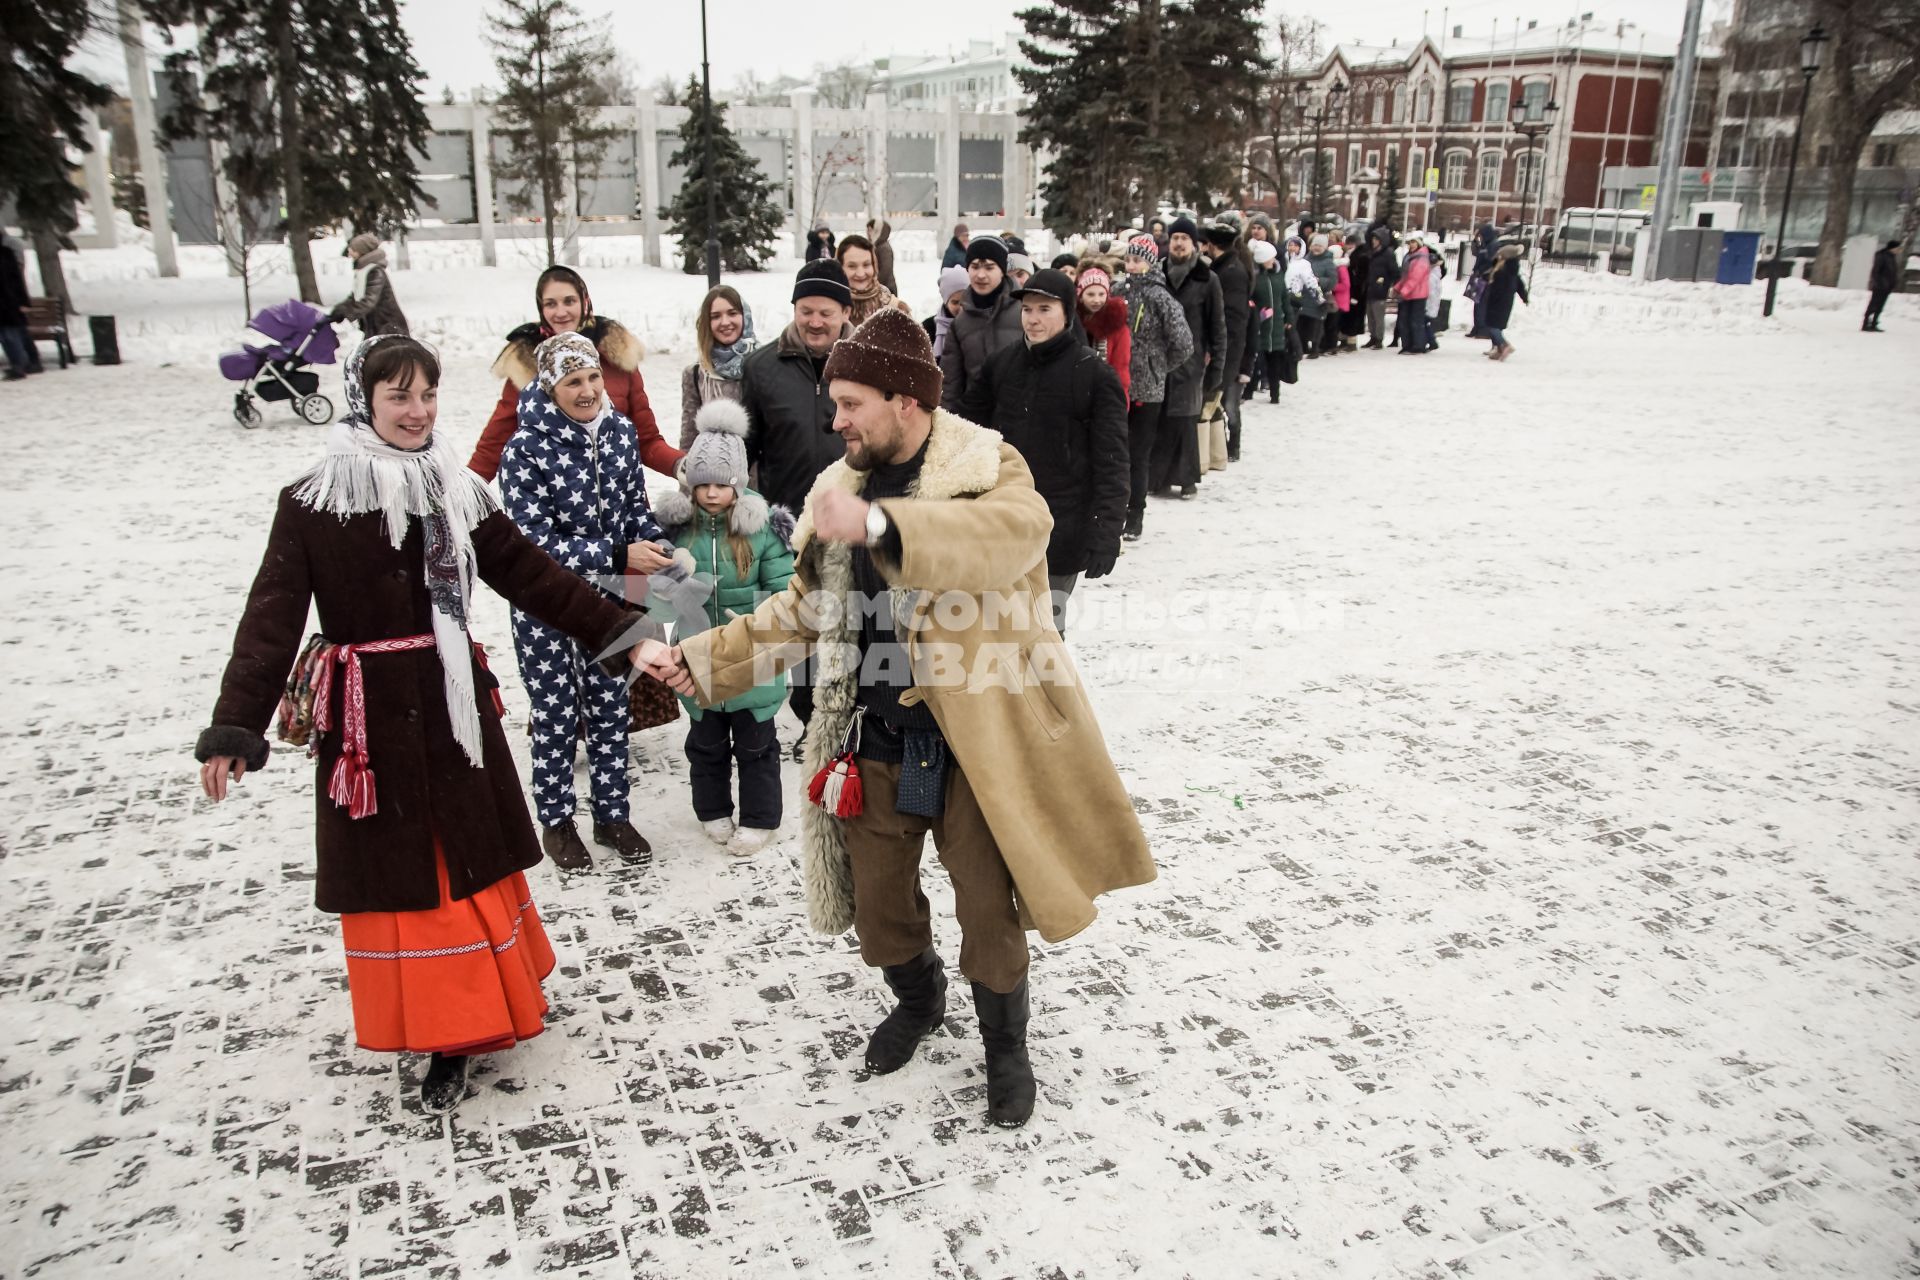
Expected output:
(664, 663)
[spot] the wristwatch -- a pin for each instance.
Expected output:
(876, 524)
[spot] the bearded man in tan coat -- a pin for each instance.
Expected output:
(920, 587)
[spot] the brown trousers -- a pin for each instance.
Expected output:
(890, 913)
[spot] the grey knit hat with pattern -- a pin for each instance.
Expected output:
(718, 454)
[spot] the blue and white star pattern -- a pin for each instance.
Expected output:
(582, 497)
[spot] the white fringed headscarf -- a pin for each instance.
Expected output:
(362, 473)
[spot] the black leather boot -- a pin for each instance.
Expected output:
(921, 985)
(623, 839)
(564, 846)
(1003, 1029)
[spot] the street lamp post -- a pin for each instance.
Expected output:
(1532, 129)
(1329, 107)
(1809, 67)
(706, 158)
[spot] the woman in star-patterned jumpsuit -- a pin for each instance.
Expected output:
(571, 478)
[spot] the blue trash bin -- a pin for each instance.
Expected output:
(1739, 254)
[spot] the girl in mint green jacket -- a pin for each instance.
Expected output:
(744, 549)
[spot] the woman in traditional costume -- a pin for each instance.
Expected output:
(385, 537)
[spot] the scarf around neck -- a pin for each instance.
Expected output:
(362, 474)
(730, 361)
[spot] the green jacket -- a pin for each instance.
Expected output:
(1270, 294)
(770, 531)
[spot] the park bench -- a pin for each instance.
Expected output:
(47, 322)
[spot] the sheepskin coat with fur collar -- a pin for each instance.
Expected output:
(971, 585)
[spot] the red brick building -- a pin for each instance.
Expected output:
(1437, 114)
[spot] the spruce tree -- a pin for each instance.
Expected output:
(1390, 189)
(551, 62)
(749, 216)
(1134, 97)
(51, 108)
(317, 103)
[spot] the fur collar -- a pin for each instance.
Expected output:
(790, 343)
(962, 460)
(615, 342)
(751, 513)
(1109, 320)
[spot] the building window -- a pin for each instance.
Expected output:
(1730, 148)
(1399, 105)
(1379, 108)
(1460, 102)
(1425, 101)
(1490, 162)
(1526, 173)
(1885, 154)
(1373, 161)
(1455, 178)
(1496, 111)
(1416, 169)
(1353, 161)
(1534, 96)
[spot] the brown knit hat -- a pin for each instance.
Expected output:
(890, 352)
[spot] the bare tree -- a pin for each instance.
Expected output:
(843, 160)
(1871, 68)
(1296, 49)
(843, 84)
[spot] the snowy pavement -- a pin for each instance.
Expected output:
(1536, 824)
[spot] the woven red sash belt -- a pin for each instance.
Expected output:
(352, 783)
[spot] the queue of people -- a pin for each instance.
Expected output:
(954, 481)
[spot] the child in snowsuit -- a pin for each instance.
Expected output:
(571, 479)
(744, 549)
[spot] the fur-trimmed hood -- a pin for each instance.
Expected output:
(1109, 320)
(616, 343)
(751, 513)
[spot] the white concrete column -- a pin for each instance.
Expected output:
(646, 174)
(877, 156)
(153, 174)
(949, 169)
(100, 189)
(1013, 190)
(802, 100)
(569, 212)
(483, 182)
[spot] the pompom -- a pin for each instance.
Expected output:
(722, 415)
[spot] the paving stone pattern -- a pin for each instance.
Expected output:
(1544, 905)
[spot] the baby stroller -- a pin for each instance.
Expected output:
(279, 343)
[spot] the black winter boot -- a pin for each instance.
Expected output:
(445, 1085)
(563, 845)
(1136, 525)
(625, 840)
(1003, 1029)
(921, 985)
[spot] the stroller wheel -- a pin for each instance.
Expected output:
(316, 409)
(246, 412)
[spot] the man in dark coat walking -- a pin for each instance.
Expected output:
(1060, 404)
(1234, 269)
(1882, 281)
(989, 321)
(13, 318)
(1200, 379)
(1383, 272)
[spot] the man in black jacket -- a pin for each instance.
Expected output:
(1201, 380)
(790, 435)
(1882, 280)
(1235, 272)
(988, 322)
(1061, 406)
(1383, 272)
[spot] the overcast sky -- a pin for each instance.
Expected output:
(771, 38)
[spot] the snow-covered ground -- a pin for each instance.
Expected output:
(1529, 752)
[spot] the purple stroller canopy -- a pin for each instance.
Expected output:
(289, 322)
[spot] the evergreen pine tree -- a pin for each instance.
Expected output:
(749, 216)
(551, 62)
(317, 103)
(1132, 95)
(51, 108)
(1390, 189)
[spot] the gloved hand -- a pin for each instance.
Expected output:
(334, 316)
(1101, 559)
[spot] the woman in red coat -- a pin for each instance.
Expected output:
(566, 307)
(386, 538)
(1104, 317)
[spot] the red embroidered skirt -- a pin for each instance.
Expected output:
(462, 978)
